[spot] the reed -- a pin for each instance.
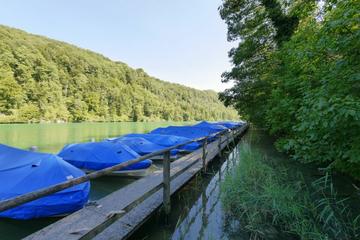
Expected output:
(271, 203)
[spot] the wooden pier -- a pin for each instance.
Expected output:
(120, 213)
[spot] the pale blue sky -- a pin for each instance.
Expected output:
(182, 41)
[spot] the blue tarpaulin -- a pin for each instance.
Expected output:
(186, 131)
(24, 171)
(141, 145)
(167, 140)
(213, 126)
(99, 155)
(230, 125)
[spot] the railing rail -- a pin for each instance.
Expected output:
(24, 198)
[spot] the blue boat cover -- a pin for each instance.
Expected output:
(141, 145)
(167, 140)
(99, 155)
(214, 126)
(186, 131)
(24, 171)
(230, 125)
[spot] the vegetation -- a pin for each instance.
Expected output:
(46, 80)
(272, 204)
(296, 72)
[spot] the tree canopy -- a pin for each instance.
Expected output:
(296, 72)
(47, 80)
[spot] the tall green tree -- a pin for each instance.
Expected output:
(296, 72)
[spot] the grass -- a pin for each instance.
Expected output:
(272, 203)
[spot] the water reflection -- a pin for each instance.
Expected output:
(196, 209)
(206, 220)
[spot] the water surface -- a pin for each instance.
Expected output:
(51, 137)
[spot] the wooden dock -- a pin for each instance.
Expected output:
(120, 213)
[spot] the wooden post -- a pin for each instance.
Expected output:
(219, 145)
(228, 141)
(204, 154)
(233, 137)
(166, 183)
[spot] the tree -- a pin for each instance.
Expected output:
(296, 72)
(11, 94)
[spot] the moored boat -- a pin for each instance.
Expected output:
(190, 132)
(213, 126)
(230, 125)
(168, 140)
(142, 147)
(24, 171)
(92, 156)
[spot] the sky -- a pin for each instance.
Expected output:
(181, 41)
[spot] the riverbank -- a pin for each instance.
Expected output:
(276, 200)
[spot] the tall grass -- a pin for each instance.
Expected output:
(271, 203)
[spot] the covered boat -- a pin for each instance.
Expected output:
(214, 126)
(23, 171)
(186, 131)
(230, 125)
(167, 140)
(92, 156)
(142, 146)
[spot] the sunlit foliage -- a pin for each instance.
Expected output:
(46, 80)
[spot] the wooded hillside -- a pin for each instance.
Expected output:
(44, 79)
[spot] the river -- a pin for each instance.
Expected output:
(196, 209)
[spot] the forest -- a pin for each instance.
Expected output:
(43, 80)
(296, 73)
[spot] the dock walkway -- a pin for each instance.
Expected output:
(120, 213)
